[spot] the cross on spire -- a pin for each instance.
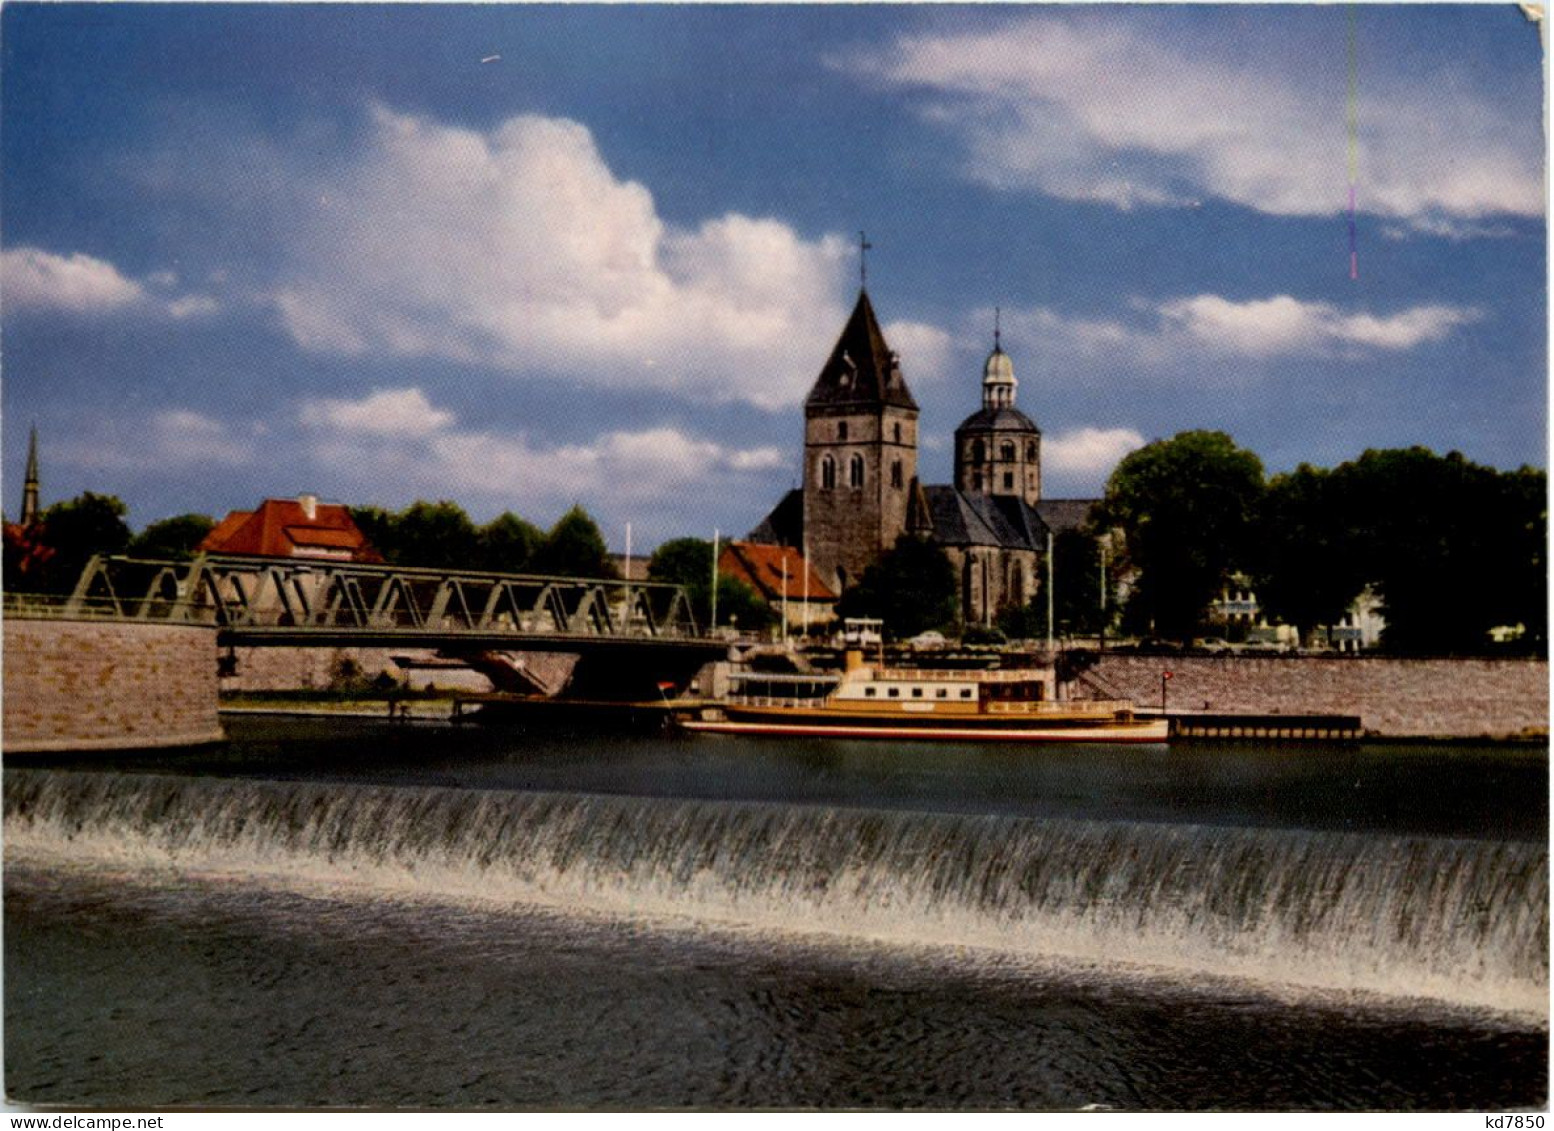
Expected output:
(863, 260)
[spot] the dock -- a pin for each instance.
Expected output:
(1295, 728)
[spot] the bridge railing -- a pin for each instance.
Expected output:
(295, 595)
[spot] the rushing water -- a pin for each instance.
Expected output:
(349, 913)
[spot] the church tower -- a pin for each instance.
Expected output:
(860, 452)
(998, 448)
(30, 482)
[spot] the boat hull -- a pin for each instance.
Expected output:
(1144, 731)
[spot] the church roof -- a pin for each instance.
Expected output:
(766, 568)
(961, 518)
(784, 526)
(861, 369)
(1004, 419)
(1063, 515)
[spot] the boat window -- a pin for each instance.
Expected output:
(941, 693)
(894, 692)
(965, 693)
(917, 693)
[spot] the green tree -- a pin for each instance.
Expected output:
(575, 548)
(437, 535)
(911, 588)
(381, 528)
(508, 544)
(75, 530)
(1305, 565)
(688, 562)
(173, 538)
(1187, 507)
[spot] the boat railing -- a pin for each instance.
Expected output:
(1099, 708)
(776, 701)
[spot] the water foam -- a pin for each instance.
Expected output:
(1462, 921)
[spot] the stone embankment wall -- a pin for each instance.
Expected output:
(1398, 698)
(321, 669)
(99, 685)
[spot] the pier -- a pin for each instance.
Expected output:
(1297, 728)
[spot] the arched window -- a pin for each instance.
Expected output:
(1006, 451)
(841, 430)
(855, 471)
(827, 473)
(978, 452)
(1030, 451)
(897, 429)
(895, 473)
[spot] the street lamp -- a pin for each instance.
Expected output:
(1165, 678)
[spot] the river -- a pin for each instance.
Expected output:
(335, 912)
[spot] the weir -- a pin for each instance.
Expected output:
(1461, 921)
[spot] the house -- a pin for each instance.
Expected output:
(782, 577)
(292, 528)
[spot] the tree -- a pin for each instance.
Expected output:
(437, 535)
(575, 548)
(911, 588)
(688, 562)
(380, 527)
(508, 544)
(1187, 507)
(1306, 566)
(173, 538)
(76, 529)
(1076, 592)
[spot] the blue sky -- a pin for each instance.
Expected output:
(522, 257)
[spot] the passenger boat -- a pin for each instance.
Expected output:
(914, 704)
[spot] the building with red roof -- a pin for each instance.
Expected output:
(783, 579)
(292, 528)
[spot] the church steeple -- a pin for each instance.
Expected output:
(30, 485)
(998, 382)
(862, 369)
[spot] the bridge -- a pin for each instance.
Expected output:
(629, 635)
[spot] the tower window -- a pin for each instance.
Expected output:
(827, 474)
(1006, 451)
(978, 452)
(1008, 481)
(895, 473)
(897, 429)
(855, 471)
(976, 481)
(841, 430)
(1030, 451)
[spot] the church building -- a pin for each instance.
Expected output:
(861, 488)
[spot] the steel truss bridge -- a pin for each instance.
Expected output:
(305, 601)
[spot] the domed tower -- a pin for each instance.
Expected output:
(998, 448)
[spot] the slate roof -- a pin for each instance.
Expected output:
(1063, 515)
(861, 369)
(282, 528)
(998, 420)
(784, 526)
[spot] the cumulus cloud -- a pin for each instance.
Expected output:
(520, 249)
(1100, 106)
(1088, 453)
(1211, 325)
(34, 279)
(31, 277)
(184, 437)
(171, 439)
(408, 441)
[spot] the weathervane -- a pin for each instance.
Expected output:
(863, 260)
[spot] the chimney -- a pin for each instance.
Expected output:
(309, 506)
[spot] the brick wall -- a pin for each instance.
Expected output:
(316, 669)
(94, 685)
(1393, 697)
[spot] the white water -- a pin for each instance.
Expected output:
(1461, 921)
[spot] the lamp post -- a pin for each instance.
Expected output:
(1165, 678)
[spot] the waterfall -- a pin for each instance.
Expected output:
(1464, 921)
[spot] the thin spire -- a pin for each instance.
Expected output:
(997, 314)
(863, 260)
(30, 485)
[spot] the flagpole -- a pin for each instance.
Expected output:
(713, 629)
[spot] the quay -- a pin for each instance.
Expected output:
(1297, 728)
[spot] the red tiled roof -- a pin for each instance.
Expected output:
(761, 566)
(282, 528)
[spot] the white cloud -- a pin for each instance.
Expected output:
(1100, 106)
(34, 279)
(1210, 325)
(1088, 452)
(1284, 325)
(180, 436)
(31, 277)
(519, 248)
(384, 412)
(174, 438)
(925, 350)
(404, 440)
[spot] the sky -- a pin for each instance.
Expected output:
(526, 257)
